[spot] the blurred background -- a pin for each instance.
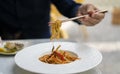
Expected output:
(107, 30)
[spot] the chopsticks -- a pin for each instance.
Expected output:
(78, 17)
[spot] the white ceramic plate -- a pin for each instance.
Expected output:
(10, 53)
(28, 60)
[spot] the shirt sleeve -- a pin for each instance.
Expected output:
(67, 7)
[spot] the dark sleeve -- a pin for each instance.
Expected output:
(67, 7)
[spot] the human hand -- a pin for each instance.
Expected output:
(93, 17)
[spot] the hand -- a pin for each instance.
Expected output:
(93, 17)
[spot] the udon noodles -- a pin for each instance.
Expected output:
(58, 57)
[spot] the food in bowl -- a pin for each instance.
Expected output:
(59, 57)
(10, 47)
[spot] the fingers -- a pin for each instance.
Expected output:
(94, 12)
(91, 8)
(98, 16)
(88, 21)
(93, 17)
(82, 10)
(87, 8)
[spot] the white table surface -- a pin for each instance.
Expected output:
(109, 65)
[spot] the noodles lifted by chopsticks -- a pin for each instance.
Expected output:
(55, 29)
(58, 57)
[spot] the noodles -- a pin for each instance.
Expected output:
(58, 57)
(55, 30)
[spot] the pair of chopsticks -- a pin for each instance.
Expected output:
(78, 17)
